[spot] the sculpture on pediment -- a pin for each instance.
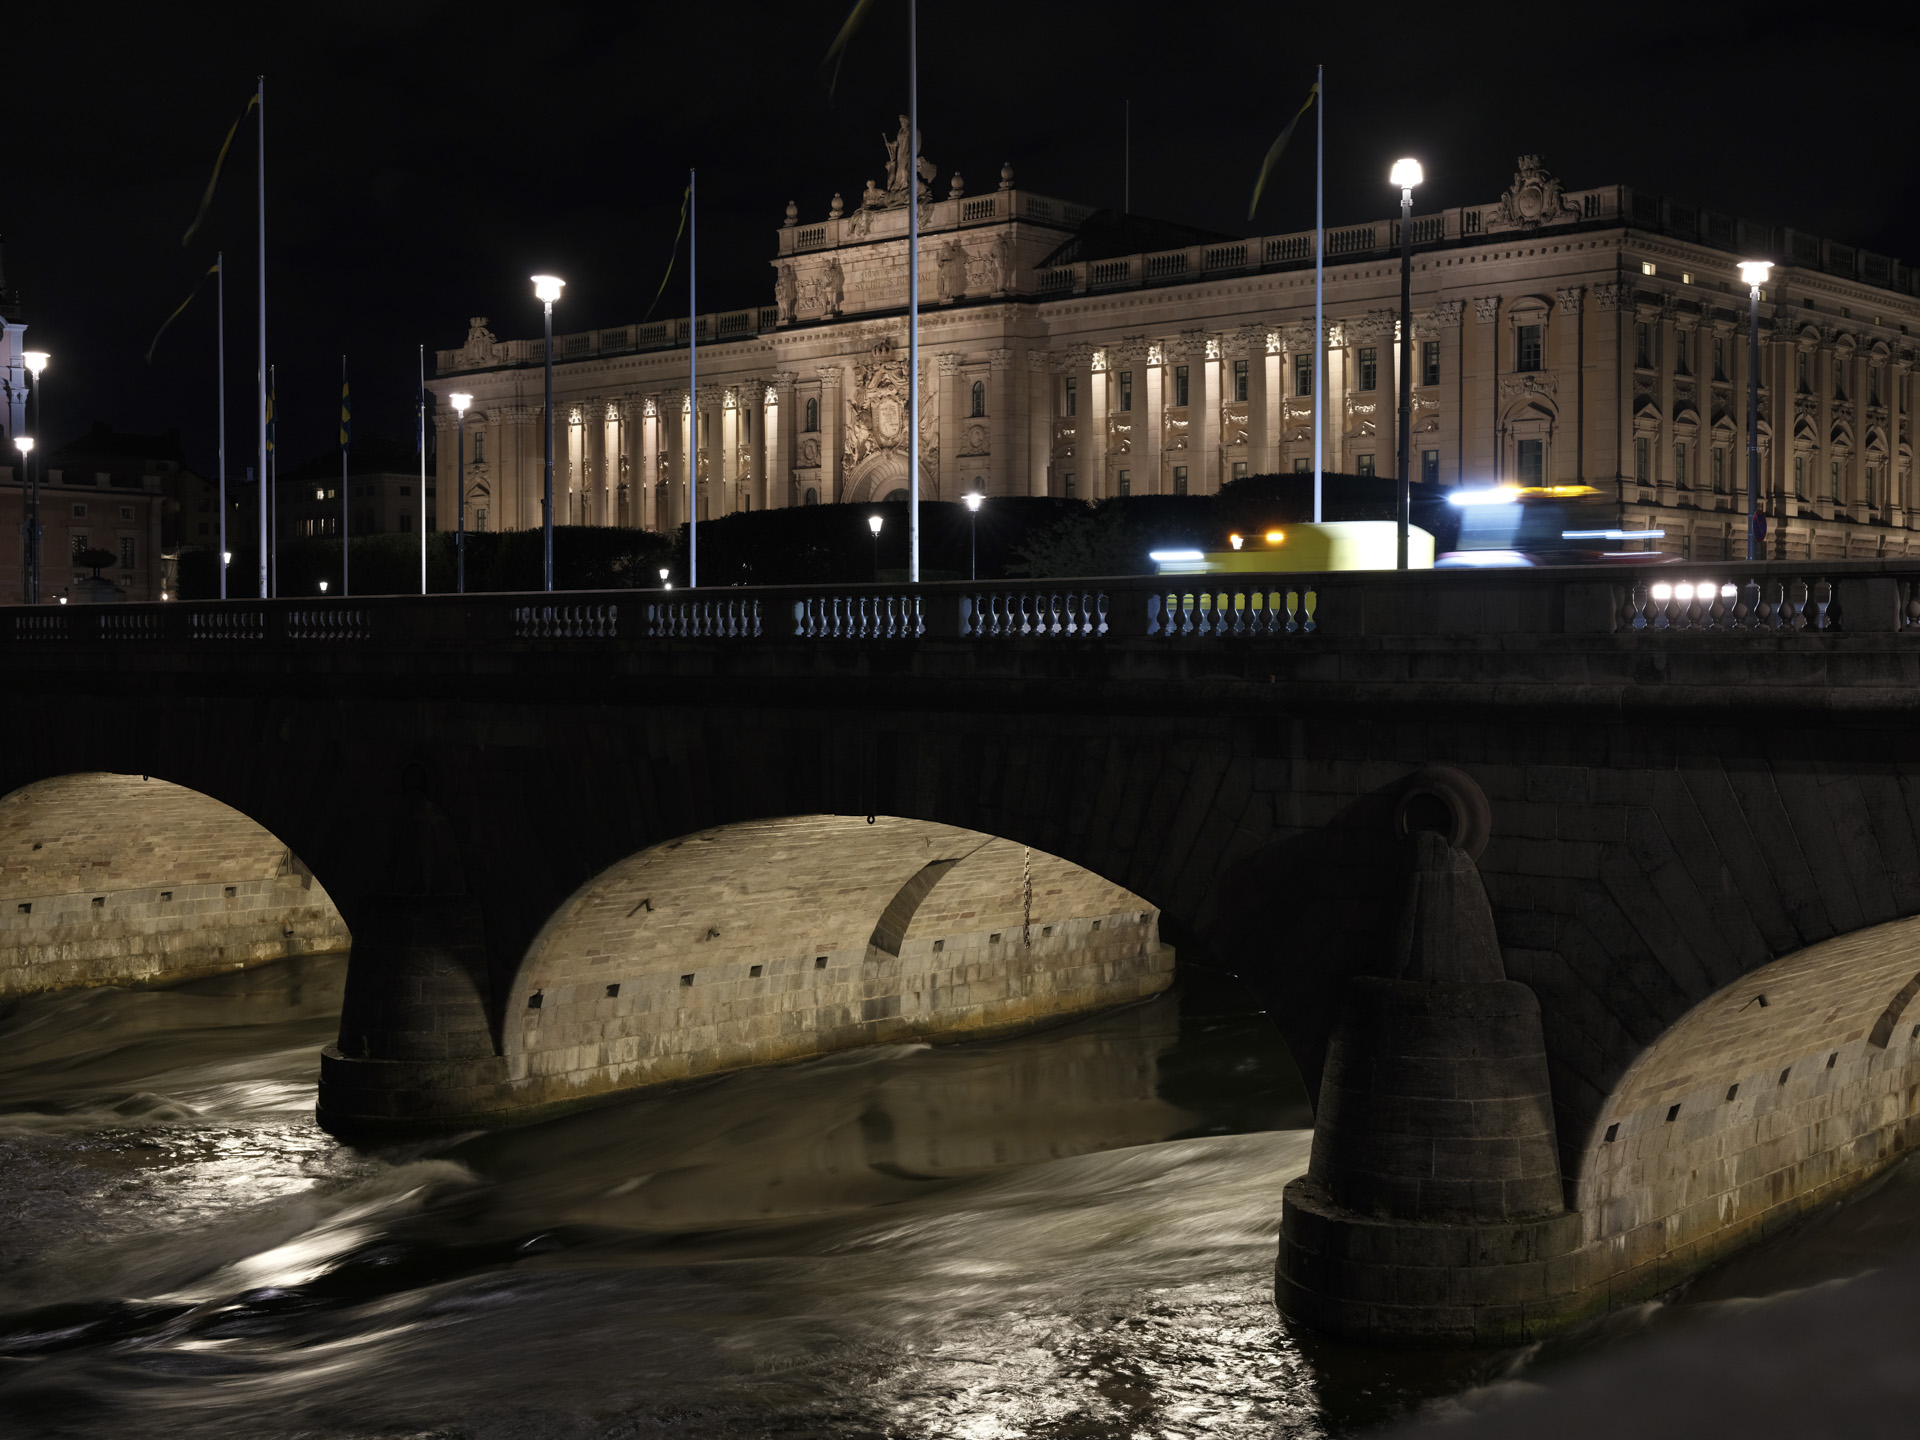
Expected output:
(786, 294)
(904, 163)
(1533, 200)
(833, 286)
(953, 270)
(478, 335)
(1003, 262)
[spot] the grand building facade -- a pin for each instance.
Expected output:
(1592, 336)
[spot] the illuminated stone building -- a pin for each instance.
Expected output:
(1563, 336)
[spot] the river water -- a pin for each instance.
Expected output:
(1066, 1235)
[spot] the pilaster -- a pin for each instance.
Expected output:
(1003, 423)
(832, 423)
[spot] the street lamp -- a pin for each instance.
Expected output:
(1406, 174)
(664, 574)
(323, 587)
(1754, 272)
(24, 444)
(36, 361)
(460, 404)
(546, 289)
(973, 499)
(874, 522)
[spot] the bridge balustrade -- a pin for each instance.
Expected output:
(1712, 601)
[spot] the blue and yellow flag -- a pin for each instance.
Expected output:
(270, 417)
(346, 415)
(1273, 151)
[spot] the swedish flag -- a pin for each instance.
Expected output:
(346, 416)
(270, 418)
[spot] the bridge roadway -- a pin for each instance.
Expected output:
(1670, 782)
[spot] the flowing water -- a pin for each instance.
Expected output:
(1070, 1234)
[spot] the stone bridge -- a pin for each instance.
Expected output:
(1687, 798)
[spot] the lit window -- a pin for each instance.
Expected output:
(1303, 375)
(1179, 479)
(1302, 466)
(319, 492)
(79, 542)
(1239, 469)
(1526, 347)
(1646, 267)
(1686, 277)
(1240, 380)
(979, 398)
(1072, 396)
(1369, 368)
(1179, 385)
(1429, 362)
(1363, 464)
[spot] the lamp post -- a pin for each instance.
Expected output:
(1754, 272)
(1406, 174)
(874, 522)
(36, 363)
(460, 404)
(546, 289)
(29, 532)
(973, 499)
(665, 575)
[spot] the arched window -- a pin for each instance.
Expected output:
(813, 419)
(979, 398)
(812, 498)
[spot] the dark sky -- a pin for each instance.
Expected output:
(424, 159)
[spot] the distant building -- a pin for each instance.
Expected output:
(384, 479)
(1592, 337)
(130, 494)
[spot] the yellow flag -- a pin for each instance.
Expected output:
(1273, 153)
(207, 199)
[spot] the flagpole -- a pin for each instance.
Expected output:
(420, 405)
(693, 396)
(261, 376)
(220, 284)
(273, 487)
(346, 514)
(1319, 274)
(913, 292)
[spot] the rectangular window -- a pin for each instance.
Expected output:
(1369, 368)
(1719, 357)
(79, 513)
(1429, 362)
(126, 512)
(1526, 347)
(1833, 480)
(1867, 495)
(1800, 371)
(1643, 345)
(1066, 485)
(1240, 380)
(1532, 462)
(1682, 363)
(1429, 467)
(126, 545)
(479, 448)
(1179, 385)
(1839, 379)
(1126, 482)
(1640, 458)
(1363, 464)
(79, 542)
(1303, 466)
(1873, 384)
(1239, 469)
(1719, 470)
(1680, 464)
(1179, 479)
(1072, 396)
(1126, 390)
(1303, 375)
(746, 428)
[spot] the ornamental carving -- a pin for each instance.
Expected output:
(877, 416)
(974, 439)
(809, 454)
(1539, 382)
(1447, 312)
(1487, 307)
(1568, 299)
(1533, 200)
(1612, 297)
(949, 364)
(1000, 359)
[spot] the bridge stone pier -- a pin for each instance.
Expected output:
(1642, 994)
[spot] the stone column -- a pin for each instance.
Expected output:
(1613, 378)
(593, 477)
(726, 497)
(1040, 406)
(1149, 424)
(950, 409)
(1482, 441)
(1206, 475)
(647, 483)
(1899, 409)
(832, 422)
(1090, 425)
(1334, 401)
(1003, 424)
(1269, 371)
(783, 424)
(1570, 461)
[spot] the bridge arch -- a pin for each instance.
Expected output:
(115, 879)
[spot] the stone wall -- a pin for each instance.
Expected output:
(776, 941)
(110, 879)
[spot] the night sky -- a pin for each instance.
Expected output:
(424, 159)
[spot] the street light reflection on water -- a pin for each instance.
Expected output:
(1070, 1233)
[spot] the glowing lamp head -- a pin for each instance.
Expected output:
(460, 403)
(1274, 537)
(1406, 174)
(1236, 541)
(1755, 272)
(36, 361)
(23, 443)
(973, 499)
(323, 587)
(874, 522)
(548, 287)
(664, 573)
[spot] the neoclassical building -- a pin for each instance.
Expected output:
(1589, 336)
